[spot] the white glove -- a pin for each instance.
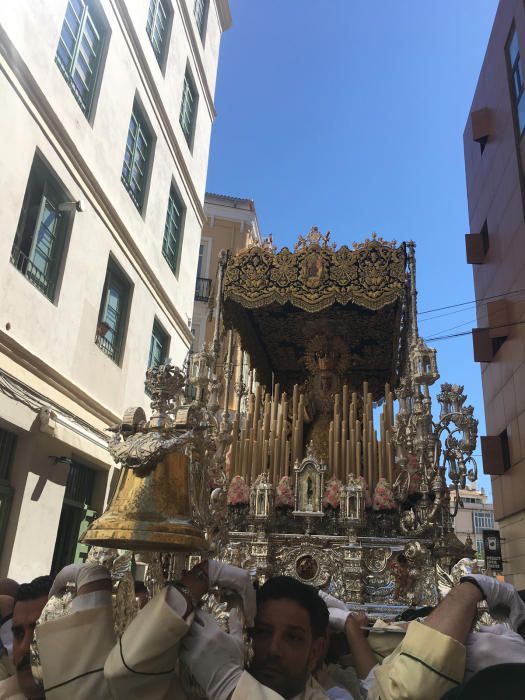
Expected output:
(239, 580)
(493, 645)
(337, 611)
(498, 593)
(214, 658)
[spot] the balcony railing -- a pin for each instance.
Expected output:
(24, 264)
(107, 346)
(202, 289)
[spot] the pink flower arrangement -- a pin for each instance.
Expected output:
(238, 492)
(383, 496)
(284, 494)
(361, 481)
(332, 493)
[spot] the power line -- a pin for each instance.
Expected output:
(458, 335)
(467, 303)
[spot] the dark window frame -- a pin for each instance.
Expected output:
(144, 131)
(515, 70)
(174, 199)
(114, 349)
(189, 87)
(44, 193)
(92, 12)
(201, 10)
(161, 52)
(156, 331)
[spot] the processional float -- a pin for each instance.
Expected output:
(332, 468)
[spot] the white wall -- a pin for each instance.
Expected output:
(39, 112)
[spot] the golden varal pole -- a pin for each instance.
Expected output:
(295, 410)
(345, 431)
(249, 434)
(242, 435)
(233, 454)
(337, 434)
(241, 454)
(331, 446)
(300, 420)
(284, 431)
(358, 443)
(277, 444)
(390, 446)
(266, 416)
(353, 419)
(365, 432)
(371, 438)
(375, 459)
(382, 457)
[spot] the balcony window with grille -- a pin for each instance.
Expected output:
(42, 229)
(483, 520)
(159, 345)
(80, 49)
(200, 12)
(158, 27)
(7, 455)
(516, 74)
(113, 313)
(172, 243)
(135, 169)
(188, 108)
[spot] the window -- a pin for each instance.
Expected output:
(200, 12)
(172, 243)
(483, 520)
(188, 108)
(137, 157)
(479, 547)
(518, 86)
(113, 313)
(77, 513)
(7, 455)
(42, 229)
(158, 27)
(203, 284)
(159, 345)
(201, 258)
(80, 49)
(196, 332)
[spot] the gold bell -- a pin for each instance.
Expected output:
(151, 512)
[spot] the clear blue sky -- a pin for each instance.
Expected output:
(349, 115)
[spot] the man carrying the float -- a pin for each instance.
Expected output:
(81, 658)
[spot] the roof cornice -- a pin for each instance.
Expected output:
(224, 13)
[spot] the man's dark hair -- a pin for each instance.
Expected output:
(38, 588)
(306, 596)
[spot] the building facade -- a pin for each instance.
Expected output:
(231, 224)
(475, 515)
(107, 109)
(494, 146)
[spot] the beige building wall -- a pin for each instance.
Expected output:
(494, 146)
(231, 225)
(475, 516)
(48, 354)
